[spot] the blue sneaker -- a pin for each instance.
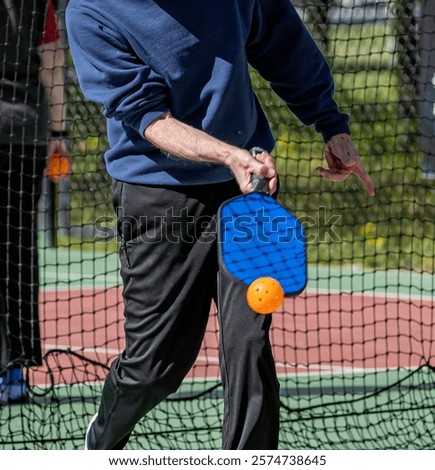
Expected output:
(13, 386)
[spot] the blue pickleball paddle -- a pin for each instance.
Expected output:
(258, 237)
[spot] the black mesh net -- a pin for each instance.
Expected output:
(355, 352)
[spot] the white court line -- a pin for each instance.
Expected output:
(79, 277)
(114, 281)
(107, 351)
(380, 295)
(331, 369)
(112, 351)
(296, 370)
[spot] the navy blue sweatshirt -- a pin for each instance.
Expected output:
(142, 58)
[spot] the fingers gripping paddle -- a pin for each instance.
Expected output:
(259, 238)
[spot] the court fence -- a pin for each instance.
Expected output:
(355, 352)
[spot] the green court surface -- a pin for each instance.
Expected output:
(71, 268)
(337, 408)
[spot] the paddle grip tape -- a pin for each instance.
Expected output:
(258, 183)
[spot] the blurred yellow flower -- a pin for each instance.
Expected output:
(368, 230)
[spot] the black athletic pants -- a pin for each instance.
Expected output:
(21, 171)
(170, 275)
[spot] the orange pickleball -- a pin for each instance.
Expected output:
(265, 295)
(58, 166)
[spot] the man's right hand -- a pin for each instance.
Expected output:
(183, 141)
(243, 166)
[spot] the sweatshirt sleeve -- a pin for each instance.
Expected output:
(110, 73)
(282, 50)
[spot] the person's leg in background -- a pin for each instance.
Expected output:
(4, 341)
(21, 172)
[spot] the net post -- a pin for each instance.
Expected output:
(427, 87)
(407, 37)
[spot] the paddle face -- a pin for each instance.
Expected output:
(258, 237)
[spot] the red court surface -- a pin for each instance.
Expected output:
(313, 333)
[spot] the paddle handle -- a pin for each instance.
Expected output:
(258, 183)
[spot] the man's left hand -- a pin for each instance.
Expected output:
(343, 159)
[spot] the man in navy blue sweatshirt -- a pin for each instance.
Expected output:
(173, 78)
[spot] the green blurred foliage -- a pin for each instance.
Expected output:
(395, 229)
